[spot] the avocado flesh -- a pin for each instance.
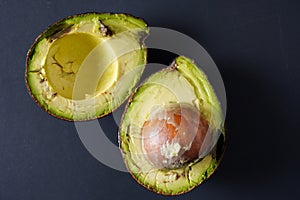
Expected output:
(181, 83)
(64, 59)
(65, 74)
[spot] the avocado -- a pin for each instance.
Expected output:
(85, 66)
(171, 135)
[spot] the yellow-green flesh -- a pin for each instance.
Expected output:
(64, 59)
(78, 72)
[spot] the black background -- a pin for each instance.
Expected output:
(254, 43)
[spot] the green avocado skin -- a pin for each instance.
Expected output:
(182, 82)
(99, 25)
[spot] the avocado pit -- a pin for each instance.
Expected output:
(173, 135)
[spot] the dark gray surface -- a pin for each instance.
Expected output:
(254, 43)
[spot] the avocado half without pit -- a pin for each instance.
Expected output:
(171, 135)
(85, 66)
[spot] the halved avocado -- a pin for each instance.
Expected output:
(85, 66)
(173, 105)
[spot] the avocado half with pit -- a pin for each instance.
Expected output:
(85, 66)
(171, 136)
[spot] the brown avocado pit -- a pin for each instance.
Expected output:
(173, 136)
